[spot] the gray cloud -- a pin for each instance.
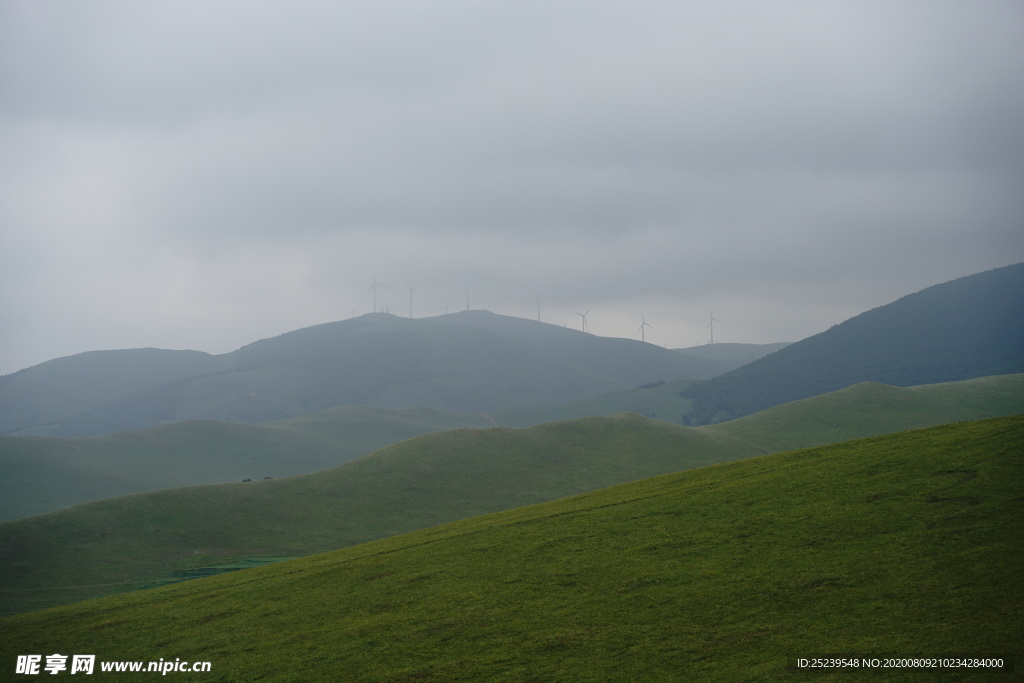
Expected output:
(195, 175)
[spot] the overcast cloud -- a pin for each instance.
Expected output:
(204, 174)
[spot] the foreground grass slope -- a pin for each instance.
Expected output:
(906, 544)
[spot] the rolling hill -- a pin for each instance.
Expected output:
(909, 547)
(145, 538)
(468, 362)
(42, 474)
(969, 327)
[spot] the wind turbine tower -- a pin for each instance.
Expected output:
(711, 324)
(643, 324)
(411, 290)
(583, 317)
(373, 288)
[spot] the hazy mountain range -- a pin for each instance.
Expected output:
(474, 361)
(480, 362)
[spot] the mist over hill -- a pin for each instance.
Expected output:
(731, 355)
(969, 327)
(473, 361)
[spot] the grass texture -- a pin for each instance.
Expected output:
(904, 544)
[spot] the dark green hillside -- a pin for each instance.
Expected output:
(423, 481)
(39, 475)
(902, 545)
(63, 387)
(970, 327)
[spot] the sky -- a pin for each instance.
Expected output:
(200, 175)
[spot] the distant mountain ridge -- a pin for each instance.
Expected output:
(968, 327)
(473, 361)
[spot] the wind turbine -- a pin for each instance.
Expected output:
(411, 290)
(373, 288)
(583, 316)
(643, 324)
(711, 324)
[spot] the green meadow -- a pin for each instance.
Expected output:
(147, 539)
(905, 544)
(42, 474)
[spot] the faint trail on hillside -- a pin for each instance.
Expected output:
(493, 423)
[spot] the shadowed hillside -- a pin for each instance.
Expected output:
(970, 327)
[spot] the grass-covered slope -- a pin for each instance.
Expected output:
(871, 408)
(38, 475)
(906, 544)
(417, 483)
(42, 474)
(433, 479)
(965, 328)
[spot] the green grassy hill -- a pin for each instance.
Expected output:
(871, 408)
(38, 475)
(965, 328)
(906, 545)
(428, 480)
(410, 485)
(42, 474)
